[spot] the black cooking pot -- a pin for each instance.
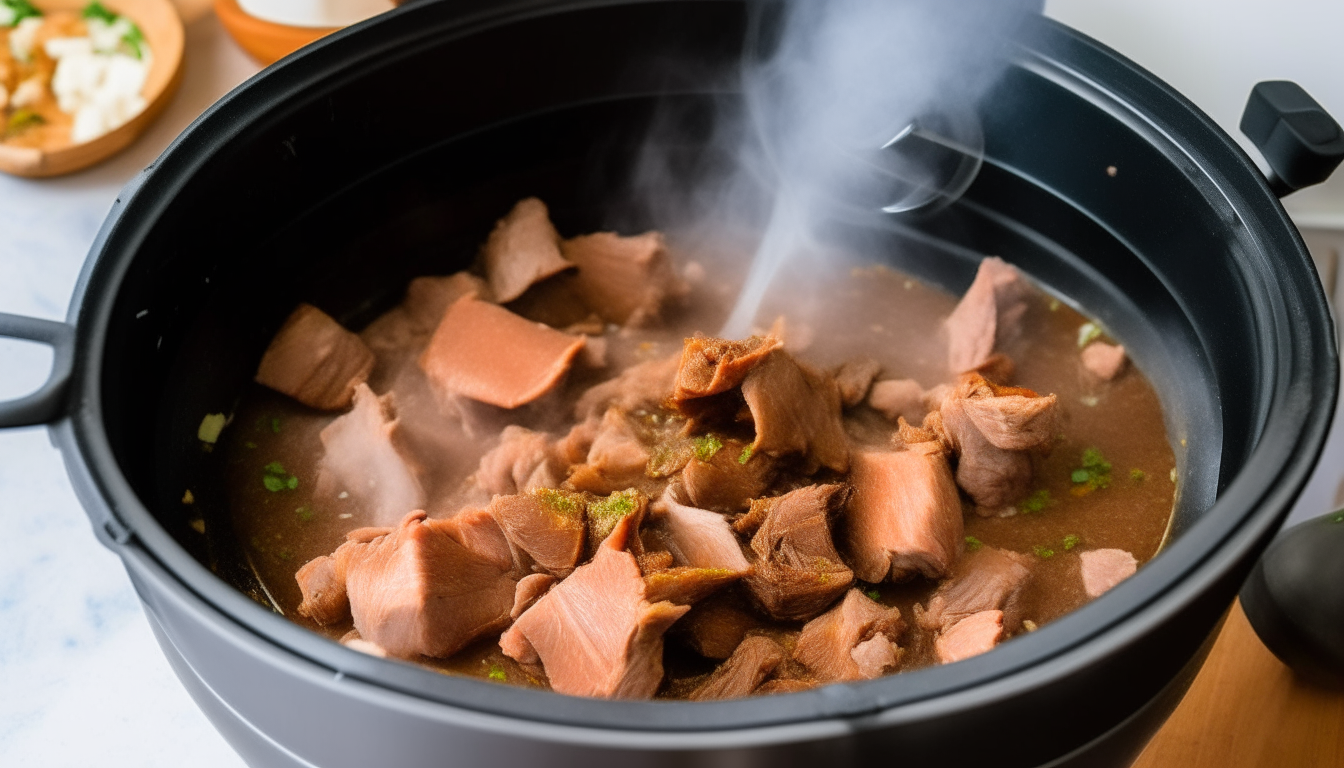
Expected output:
(385, 152)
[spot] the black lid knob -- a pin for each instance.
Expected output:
(1301, 142)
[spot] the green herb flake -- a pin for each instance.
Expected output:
(1095, 473)
(22, 120)
(134, 40)
(1137, 475)
(497, 673)
(1043, 552)
(1080, 476)
(211, 426)
(96, 10)
(1088, 333)
(1037, 501)
(275, 424)
(14, 11)
(873, 595)
(557, 501)
(273, 484)
(1338, 518)
(276, 479)
(275, 468)
(706, 446)
(1071, 541)
(972, 544)
(745, 456)
(304, 513)
(250, 445)
(617, 505)
(284, 554)
(292, 482)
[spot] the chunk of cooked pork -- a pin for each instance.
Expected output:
(796, 410)
(626, 280)
(905, 518)
(605, 514)
(725, 482)
(988, 580)
(616, 459)
(714, 628)
(477, 530)
(547, 524)
(898, 398)
(322, 584)
(485, 352)
(838, 645)
(713, 366)
(969, 637)
(522, 462)
(1102, 360)
(595, 633)
(697, 537)
(315, 361)
(1104, 568)
(992, 429)
(529, 590)
(363, 454)
(988, 316)
(753, 661)
(798, 572)
(412, 322)
(685, 585)
(645, 385)
(417, 591)
(854, 379)
(523, 249)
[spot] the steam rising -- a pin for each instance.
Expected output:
(828, 83)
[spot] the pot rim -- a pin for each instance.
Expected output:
(1302, 375)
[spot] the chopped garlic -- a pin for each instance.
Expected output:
(22, 37)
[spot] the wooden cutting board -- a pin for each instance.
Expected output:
(1247, 710)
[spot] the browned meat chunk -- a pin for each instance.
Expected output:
(905, 517)
(547, 524)
(364, 455)
(726, 482)
(322, 583)
(1105, 361)
(796, 411)
(411, 323)
(626, 280)
(616, 459)
(969, 637)
(1104, 568)
(715, 627)
(522, 462)
(605, 514)
(836, 645)
(594, 633)
(646, 385)
(798, 573)
(999, 368)
(699, 538)
(898, 398)
(854, 378)
(529, 591)
(315, 361)
(989, 580)
(714, 366)
(685, 585)
(523, 249)
(992, 429)
(574, 446)
(487, 353)
(417, 591)
(753, 661)
(988, 316)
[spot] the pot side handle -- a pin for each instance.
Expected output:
(1300, 140)
(47, 403)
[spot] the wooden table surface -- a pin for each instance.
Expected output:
(1247, 710)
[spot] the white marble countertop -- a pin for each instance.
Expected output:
(82, 681)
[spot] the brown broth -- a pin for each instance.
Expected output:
(868, 311)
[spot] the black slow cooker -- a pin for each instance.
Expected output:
(342, 172)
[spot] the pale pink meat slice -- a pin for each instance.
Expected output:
(898, 398)
(417, 591)
(547, 524)
(530, 590)
(364, 455)
(798, 573)
(523, 461)
(594, 633)
(315, 361)
(616, 459)
(410, 323)
(988, 316)
(626, 280)
(905, 516)
(487, 353)
(1104, 568)
(796, 410)
(645, 385)
(828, 644)
(523, 249)
(991, 579)
(1105, 361)
(699, 538)
(753, 661)
(854, 378)
(477, 530)
(969, 637)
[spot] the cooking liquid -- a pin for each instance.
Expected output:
(867, 311)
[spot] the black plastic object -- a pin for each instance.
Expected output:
(338, 174)
(1295, 599)
(46, 403)
(1301, 142)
